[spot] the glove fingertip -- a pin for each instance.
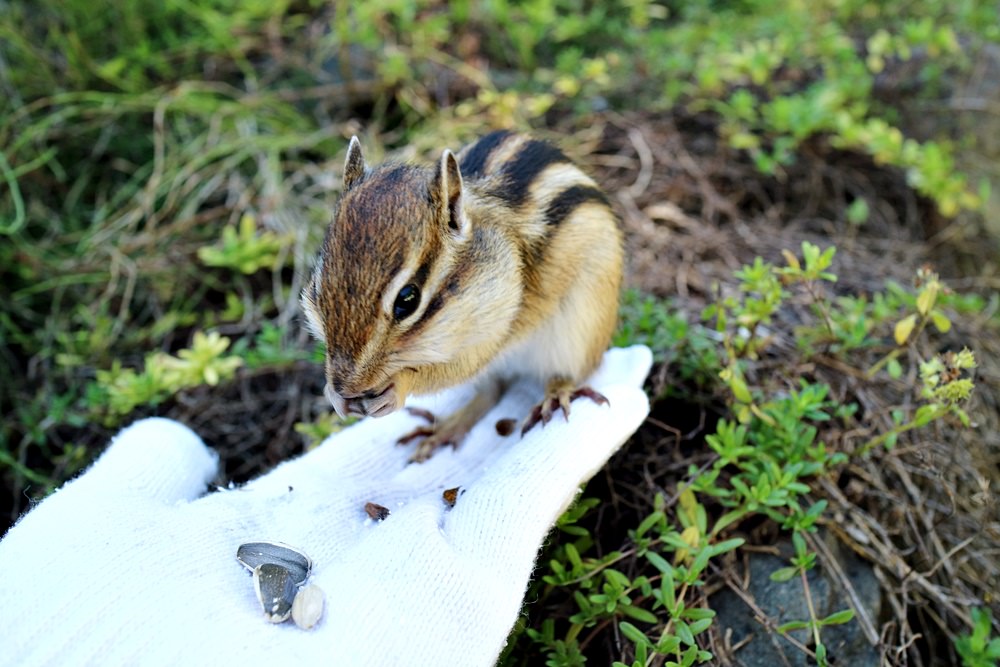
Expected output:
(160, 458)
(641, 358)
(624, 365)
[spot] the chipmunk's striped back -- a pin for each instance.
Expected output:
(520, 171)
(540, 188)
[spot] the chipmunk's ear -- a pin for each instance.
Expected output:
(448, 193)
(354, 166)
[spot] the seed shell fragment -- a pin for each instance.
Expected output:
(276, 591)
(253, 554)
(505, 427)
(376, 512)
(450, 496)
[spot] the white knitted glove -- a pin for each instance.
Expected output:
(132, 564)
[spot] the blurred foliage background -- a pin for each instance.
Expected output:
(167, 168)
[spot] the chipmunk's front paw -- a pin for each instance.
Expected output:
(435, 435)
(450, 431)
(559, 395)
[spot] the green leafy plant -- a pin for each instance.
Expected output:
(120, 390)
(979, 648)
(910, 326)
(767, 452)
(802, 562)
(646, 320)
(244, 249)
(270, 348)
(323, 427)
(751, 68)
(661, 598)
(944, 391)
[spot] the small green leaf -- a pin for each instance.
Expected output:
(927, 297)
(726, 545)
(857, 212)
(794, 625)
(904, 328)
(648, 523)
(925, 414)
(659, 562)
(699, 564)
(633, 634)
(573, 556)
(941, 321)
(784, 573)
(838, 618)
(727, 519)
(640, 614)
(668, 590)
(697, 614)
(826, 258)
(668, 644)
(800, 543)
(699, 626)
(684, 633)
(740, 389)
(810, 252)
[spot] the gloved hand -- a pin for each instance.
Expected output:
(132, 563)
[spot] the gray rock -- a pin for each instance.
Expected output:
(785, 601)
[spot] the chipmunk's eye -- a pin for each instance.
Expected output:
(406, 302)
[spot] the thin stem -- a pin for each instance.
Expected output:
(899, 350)
(666, 630)
(812, 610)
(898, 430)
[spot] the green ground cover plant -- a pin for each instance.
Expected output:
(767, 456)
(167, 170)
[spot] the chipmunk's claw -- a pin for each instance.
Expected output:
(423, 414)
(436, 434)
(431, 443)
(559, 397)
(420, 432)
(592, 394)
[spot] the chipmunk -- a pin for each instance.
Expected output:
(502, 261)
